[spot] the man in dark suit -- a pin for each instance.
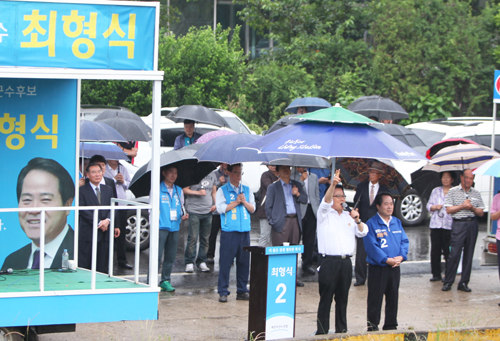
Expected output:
(43, 183)
(366, 193)
(94, 193)
(283, 201)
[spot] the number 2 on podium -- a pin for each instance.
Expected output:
(279, 299)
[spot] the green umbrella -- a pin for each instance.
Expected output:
(336, 114)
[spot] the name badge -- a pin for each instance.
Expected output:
(173, 215)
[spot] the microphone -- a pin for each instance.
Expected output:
(346, 207)
(9, 271)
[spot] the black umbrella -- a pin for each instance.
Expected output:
(424, 181)
(283, 122)
(132, 130)
(189, 170)
(379, 107)
(113, 113)
(92, 131)
(354, 171)
(197, 113)
(404, 135)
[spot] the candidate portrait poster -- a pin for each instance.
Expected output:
(38, 118)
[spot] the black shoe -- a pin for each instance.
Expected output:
(300, 284)
(244, 296)
(463, 287)
(357, 284)
(435, 279)
(308, 271)
(446, 287)
(223, 298)
(125, 265)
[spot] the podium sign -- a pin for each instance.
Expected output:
(281, 291)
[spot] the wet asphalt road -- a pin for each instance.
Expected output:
(418, 257)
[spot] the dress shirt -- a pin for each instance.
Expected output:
(120, 188)
(220, 198)
(50, 249)
(388, 223)
(439, 218)
(336, 231)
(287, 190)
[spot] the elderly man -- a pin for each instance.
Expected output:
(43, 182)
(188, 137)
(336, 241)
(266, 179)
(386, 246)
(308, 216)
(235, 202)
(365, 195)
(463, 203)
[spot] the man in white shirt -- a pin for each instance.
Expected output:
(336, 231)
(121, 177)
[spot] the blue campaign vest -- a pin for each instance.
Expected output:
(238, 219)
(166, 203)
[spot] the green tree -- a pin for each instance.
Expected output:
(424, 47)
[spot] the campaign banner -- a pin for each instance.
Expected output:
(77, 35)
(281, 284)
(38, 144)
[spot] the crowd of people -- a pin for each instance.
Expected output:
(292, 205)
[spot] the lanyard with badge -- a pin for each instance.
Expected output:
(173, 211)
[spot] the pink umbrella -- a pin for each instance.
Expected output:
(213, 134)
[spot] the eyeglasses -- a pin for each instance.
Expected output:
(339, 196)
(238, 173)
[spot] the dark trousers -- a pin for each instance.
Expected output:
(463, 236)
(383, 280)
(361, 267)
(231, 246)
(308, 236)
(121, 223)
(290, 233)
(212, 240)
(85, 255)
(334, 279)
(440, 245)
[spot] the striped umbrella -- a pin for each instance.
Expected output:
(460, 157)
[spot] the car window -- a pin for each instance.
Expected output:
(168, 135)
(236, 125)
(485, 140)
(429, 137)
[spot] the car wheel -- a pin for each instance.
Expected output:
(410, 209)
(143, 231)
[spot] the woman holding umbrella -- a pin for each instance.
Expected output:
(440, 225)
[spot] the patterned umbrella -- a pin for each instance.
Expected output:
(213, 134)
(460, 157)
(354, 171)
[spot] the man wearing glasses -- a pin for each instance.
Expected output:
(337, 230)
(386, 246)
(364, 200)
(235, 202)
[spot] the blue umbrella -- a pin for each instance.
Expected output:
(110, 151)
(224, 149)
(332, 140)
(93, 131)
(311, 103)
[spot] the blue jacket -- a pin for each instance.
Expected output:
(237, 219)
(166, 204)
(384, 242)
